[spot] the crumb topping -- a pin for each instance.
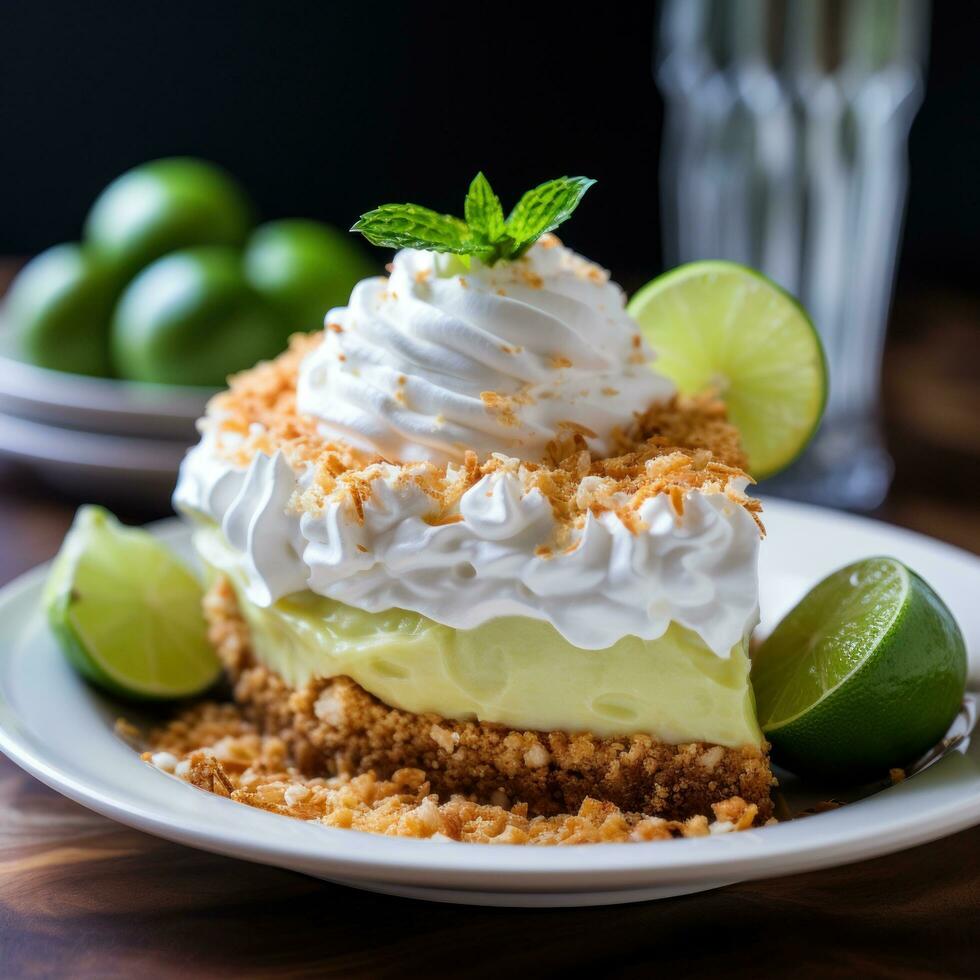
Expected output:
(686, 444)
(213, 748)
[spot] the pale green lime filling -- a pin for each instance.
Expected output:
(514, 671)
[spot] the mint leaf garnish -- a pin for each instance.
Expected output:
(484, 233)
(411, 226)
(483, 211)
(544, 209)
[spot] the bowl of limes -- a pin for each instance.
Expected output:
(111, 346)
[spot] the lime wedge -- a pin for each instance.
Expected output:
(723, 327)
(866, 673)
(126, 613)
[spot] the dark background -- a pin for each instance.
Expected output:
(326, 110)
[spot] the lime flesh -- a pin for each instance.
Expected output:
(718, 326)
(126, 613)
(865, 674)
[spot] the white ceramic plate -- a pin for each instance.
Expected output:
(56, 728)
(75, 401)
(94, 464)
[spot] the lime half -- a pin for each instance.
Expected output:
(866, 673)
(126, 613)
(723, 327)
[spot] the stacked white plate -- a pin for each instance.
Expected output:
(95, 437)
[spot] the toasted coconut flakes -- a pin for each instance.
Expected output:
(677, 500)
(127, 731)
(736, 812)
(438, 520)
(577, 427)
(674, 447)
(502, 407)
(444, 738)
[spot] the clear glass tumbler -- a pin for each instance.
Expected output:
(785, 148)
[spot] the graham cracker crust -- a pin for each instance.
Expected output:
(211, 746)
(334, 729)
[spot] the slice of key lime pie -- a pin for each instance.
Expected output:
(469, 529)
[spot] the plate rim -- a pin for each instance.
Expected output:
(785, 848)
(33, 441)
(114, 396)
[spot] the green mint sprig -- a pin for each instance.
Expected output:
(485, 232)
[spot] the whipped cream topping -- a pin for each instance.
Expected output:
(438, 359)
(697, 568)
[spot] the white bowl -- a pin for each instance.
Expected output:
(94, 465)
(75, 401)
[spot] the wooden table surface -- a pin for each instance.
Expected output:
(81, 896)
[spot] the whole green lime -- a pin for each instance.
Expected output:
(305, 267)
(163, 206)
(193, 318)
(59, 308)
(865, 674)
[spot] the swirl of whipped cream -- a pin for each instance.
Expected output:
(696, 567)
(439, 359)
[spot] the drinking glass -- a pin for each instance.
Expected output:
(785, 148)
